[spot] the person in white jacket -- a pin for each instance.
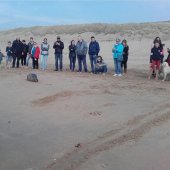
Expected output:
(44, 54)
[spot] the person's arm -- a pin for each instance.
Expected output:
(48, 47)
(54, 46)
(85, 48)
(98, 48)
(62, 45)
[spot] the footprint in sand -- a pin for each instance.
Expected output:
(95, 113)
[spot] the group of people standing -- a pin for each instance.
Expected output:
(20, 53)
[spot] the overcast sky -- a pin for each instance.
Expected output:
(25, 13)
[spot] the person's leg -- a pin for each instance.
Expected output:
(91, 63)
(37, 64)
(45, 61)
(105, 69)
(125, 66)
(33, 63)
(119, 68)
(14, 61)
(116, 66)
(84, 63)
(41, 62)
(80, 63)
(25, 57)
(61, 62)
(56, 62)
(71, 62)
(18, 60)
(22, 60)
(28, 58)
(7, 60)
(10, 62)
(74, 62)
(97, 70)
(157, 68)
(70, 58)
(151, 69)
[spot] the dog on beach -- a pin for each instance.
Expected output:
(165, 70)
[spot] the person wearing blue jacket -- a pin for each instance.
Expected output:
(94, 49)
(118, 57)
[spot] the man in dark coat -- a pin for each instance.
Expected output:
(58, 46)
(17, 52)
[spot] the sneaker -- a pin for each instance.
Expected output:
(115, 75)
(119, 75)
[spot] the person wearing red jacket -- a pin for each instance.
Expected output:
(35, 52)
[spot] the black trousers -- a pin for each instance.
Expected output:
(35, 63)
(23, 59)
(16, 60)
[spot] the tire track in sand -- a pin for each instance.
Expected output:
(133, 130)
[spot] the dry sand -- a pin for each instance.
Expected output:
(72, 121)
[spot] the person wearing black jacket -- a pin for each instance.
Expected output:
(161, 46)
(125, 55)
(24, 53)
(58, 46)
(17, 51)
(72, 55)
(155, 60)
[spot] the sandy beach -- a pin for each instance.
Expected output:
(73, 121)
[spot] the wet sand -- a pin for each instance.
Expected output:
(115, 123)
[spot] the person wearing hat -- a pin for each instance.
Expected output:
(58, 46)
(94, 49)
(24, 53)
(118, 57)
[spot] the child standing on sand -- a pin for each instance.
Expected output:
(155, 60)
(9, 57)
(35, 52)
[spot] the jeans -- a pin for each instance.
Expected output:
(118, 68)
(82, 59)
(28, 59)
(59, 58)
(44, 62)
(35, 63)
(72, 62)
(16, 57)
(8, 59)
(23, 59)
(102, 69)
(93, 62)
